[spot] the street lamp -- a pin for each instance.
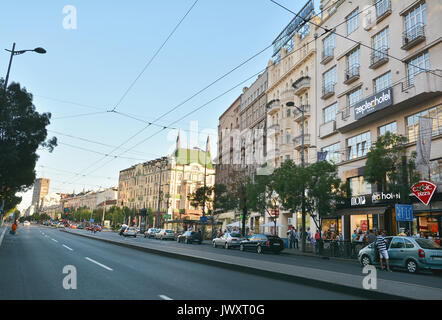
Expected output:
(16, 53)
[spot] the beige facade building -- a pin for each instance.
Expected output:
(365, 93)
(292, 88)
(88, 199)
(165, 184)
(41, 189)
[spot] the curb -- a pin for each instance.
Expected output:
(318, 283)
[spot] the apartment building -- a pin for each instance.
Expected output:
(90, 199)
(41, 189)
(291, 112)
(363, 93)
(164, 185)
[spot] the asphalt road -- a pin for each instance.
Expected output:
(349, 267)
(32, 262)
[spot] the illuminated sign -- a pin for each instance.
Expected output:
(374, 103)
(297, 23)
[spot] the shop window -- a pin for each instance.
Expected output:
(359, 186)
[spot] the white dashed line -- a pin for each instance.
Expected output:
(162, 296)
(1, 237)
(101, 265)
(54, 240)
(68, 248)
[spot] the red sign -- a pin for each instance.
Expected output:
(275, 212)
(364, 225)
(424, 191)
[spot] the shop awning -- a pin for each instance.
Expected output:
(365, 210)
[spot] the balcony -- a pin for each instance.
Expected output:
(383, 9)
(297, 115)
(413, 36)
(298, 141)
(328, 90)
(378, 57)
(273, 107)
(352, 74)
(405, 95)
(327, 129)
(287, 95)
(301, 85)
(327, 55)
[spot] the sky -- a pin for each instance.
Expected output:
(87, 70)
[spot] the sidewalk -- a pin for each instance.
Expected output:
(331, 280)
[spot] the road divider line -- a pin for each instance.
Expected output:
(1, 237)
(162, 296)
(68, 248)
(54, 240)
(100, 264)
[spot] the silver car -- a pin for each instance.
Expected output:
(165, 234)
(228, 240)
(151, 233)
(130, 232)
(411, 253)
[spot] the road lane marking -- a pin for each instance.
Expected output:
(1, 237)
(162, 296)
(101, 265)
(54, 240)
(68, 248)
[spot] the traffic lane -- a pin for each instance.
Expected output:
(32, 264)
(349, 267)
(180, 279)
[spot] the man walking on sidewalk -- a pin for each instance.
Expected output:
(381, 245)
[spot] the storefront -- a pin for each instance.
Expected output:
(428, 219)
(332, 225)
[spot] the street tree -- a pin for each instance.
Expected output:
(389, 167)
(22, 132)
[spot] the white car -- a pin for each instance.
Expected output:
(26, 223)
(130, 232)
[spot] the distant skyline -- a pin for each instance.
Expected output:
(87, 70)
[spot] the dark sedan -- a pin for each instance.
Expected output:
(261, 243)
(190, 237)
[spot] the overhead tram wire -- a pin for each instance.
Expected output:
(328, 30)
(154, 56)
(217, 80)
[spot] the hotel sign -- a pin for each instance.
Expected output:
(374, 103)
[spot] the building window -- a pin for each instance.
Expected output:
(382, 6)
(417, 65)
(382, 82)
(353, 59)
(359, 145)
(354, 97)
(436, 171)
(352, 21)
(288, 112)
(329, 44)
(329, 79)
(288, 134)
(391, 127)
(359, 186)
(330, 112)
(413, 122)
(333, 153)
(414, 19)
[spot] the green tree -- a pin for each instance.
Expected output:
(202, 196)
(22, 132)
(389, 167)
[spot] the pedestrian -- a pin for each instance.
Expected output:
(371, 236)
(381, 246)
(214, 234)
(354, 236)
(14, 227)
(317, 241)
(290, 238)
(296, 238)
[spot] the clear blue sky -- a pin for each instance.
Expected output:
(95, 64)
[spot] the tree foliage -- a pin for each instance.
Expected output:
(22, 132)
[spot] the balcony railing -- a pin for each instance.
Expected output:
(298, 141)
(383, 9)
(378, 57)
(413, 36)
(328, 90)
(327, 54)
(352, 74)
(301, 85)
(298, 114)
(274, 127)
(273, 106)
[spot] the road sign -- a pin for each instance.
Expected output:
(203, 219)
(404, 212)
(92, 220)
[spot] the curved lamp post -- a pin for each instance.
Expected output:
(16, 53)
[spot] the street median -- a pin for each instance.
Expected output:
(330, 280)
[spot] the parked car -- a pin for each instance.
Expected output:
(60, 225)
(130, 232)
(228, 240)
(165, 234)
(190, 237)
(262, 242)
(413, 254)
(73, 226)
(151, 232)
